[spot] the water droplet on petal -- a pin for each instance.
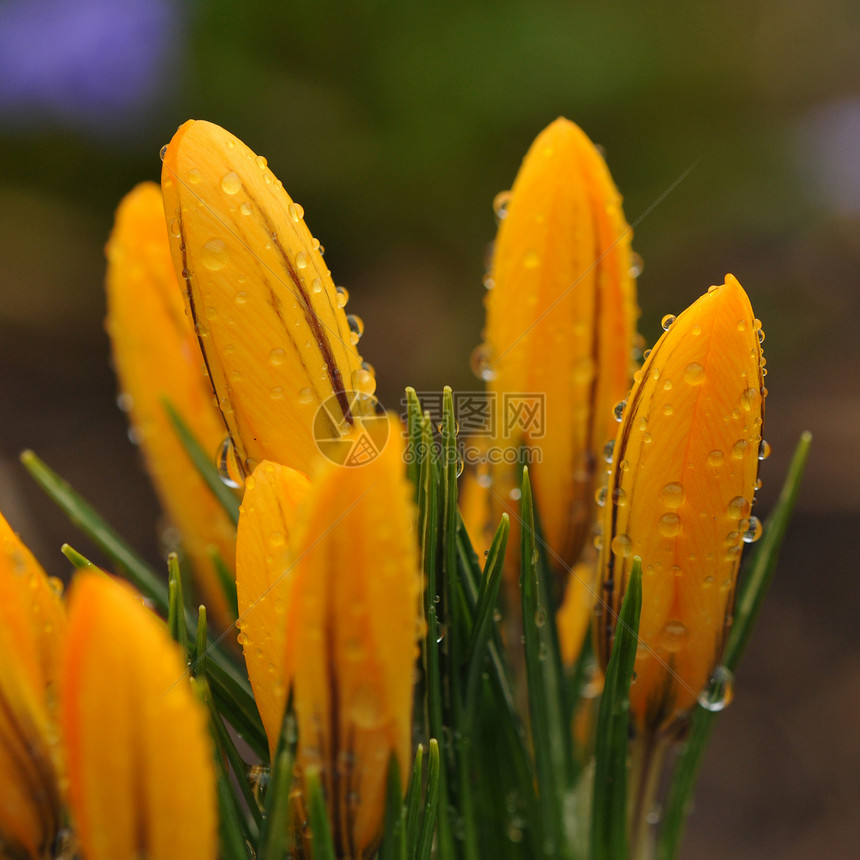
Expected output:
(228, 465)
(667, 321)
(500, 204)
(305, 395)
(230, 183)
(719, 692)
(609, 450)
(694, 373)
(342, 296)
(163, 152)
(195, 177)
(618, 411)
(754, 530)
(637, 264)
(356, 327)
(674, 636)
(296, 212)
(302, 260)
(622, 545)
(764, 450)
(670, 525)
(481, 362)
(738, 508)
(672, 495)
(277, 356)
(214, 255)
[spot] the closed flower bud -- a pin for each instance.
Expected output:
(271, 325)
(560, 324)
(32, 626)
(157, 358)
(140, 769)
(679, 496)
(350, 589)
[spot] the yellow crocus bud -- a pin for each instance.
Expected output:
(140, 769)
(679, 496)
(267, 522)
(560, 326)
(32, 626)
(351, 620)
(156, 357)
(276, 340)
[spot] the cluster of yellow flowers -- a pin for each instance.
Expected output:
(215, 284)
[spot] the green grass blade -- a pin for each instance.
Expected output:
(609, 835)
(203, 462)
(413, 432)
(431, 802)
(545, 717)
(176, 604)
(323, 844)
(757, 576)
(227, 581)
(413, 803)
(275, 827)
(488, 595)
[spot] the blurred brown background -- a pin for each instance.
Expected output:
(395, 127)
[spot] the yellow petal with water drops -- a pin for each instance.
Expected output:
(680, 492)
(156, 357)
(352, 622)
(267, 521)
(140, 769)
(560, 325)
(32, 627)
(271, 325)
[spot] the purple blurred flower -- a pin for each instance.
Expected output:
(91, 63)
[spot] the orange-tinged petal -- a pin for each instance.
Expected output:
(475, 502)
(560, 324)
(680, 491)
(32, 626)
(266, 524)
(140, 769)
(157, 357)
(271, 324)
(352, 621)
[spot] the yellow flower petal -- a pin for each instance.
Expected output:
(156, 356)
(141, 776)
(574, 616)
(32, 626)
(679, 496)
(352, 621)
(560, 323)
(271, 326)
(266, 525)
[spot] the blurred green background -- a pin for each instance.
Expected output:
(395, 125)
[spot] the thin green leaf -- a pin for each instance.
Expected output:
(414, 455)
(203, 462)
(323, 844)
(274, 830)
(547, 728)
(431, 802)
(488, 595)
(176, 604)
(393, 845)
(755, 582)
(79, 562)
(609, 836)
(413, 802)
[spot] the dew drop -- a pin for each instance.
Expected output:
(674, 636)
(305, 395)
(363, 382)
(316, 285)
(163, 152)
(540, 617)
(500, 204)
(740, 448)
(302, 260)
(356, 327)
(764, 450)
(214, 255)
(672, 495)
(230, 183)
(481, 362)
(342, 297)
(670, 525)
(622, 545)
(637, 264)
(277, 393)
(667, 321)
(245, 208)
(295, 212)
(738, 508)
(609, 450)
(241, 297)
(668, 409)
(618, 411)
(754, 530)
(261, 162)
(748, 399)
(696, 329)
(175, 228)
(124, 401)
(277, 356)
(694, 373)
(715, 458)
(719, 692)
(227, 464)
(600, 496)
(619, 497)
(195, 177)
